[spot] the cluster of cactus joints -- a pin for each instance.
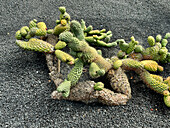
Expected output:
(72, 78)
(79, 45)
(154, 82)
(63, 24)
(157, 50)
(34, 29)
(97, 37)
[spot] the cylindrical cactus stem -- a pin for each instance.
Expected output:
(18, 35)
(167, 98)
(64, 14)
(138, 49)
(164, 42)
(90, 39)
(76, 72)
(83, 24)
(64, 57)
(36, 45)
(33, 23)
(60, 45)
(132, 45)
(72, 78)
(167, 81)
(50, 31)
(24, 31)
(151, 41)
(60, 28)
(123, 45)
(167, 35)
(150, 65)
(104, 44)
(130, 64)
(88, 29)
(102, 36)
(42, 31)
(157, 77)
(158, 38)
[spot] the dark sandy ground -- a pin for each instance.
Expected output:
(24, 87)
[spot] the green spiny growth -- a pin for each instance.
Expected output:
(64, 88)
(138, 49)
(158, 38)
(167, 98)
(157, 77)
(89, 54)
(117, 64)
(33, 23)
(18, 35)
(76, 72)
(167, 81)
(121, 54)
(99, 86)
(72, 78)
(164, 42)
(151, 40)
(132, 45)
(150, 65)
(42, 31)
(131, 64)
(36, 45)
(64, 57)
(61, 27)
(64, 14)
(60, 45)
(123, 45)
(93, 70)
(167, 36)
(24, 31)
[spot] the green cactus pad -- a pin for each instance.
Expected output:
(158, 38)
(60, 45)
(76, 72)
(167, 100)
(132, 45)
(18, 35)
(33, 23)
(151, 40)
(157, 77)
(167, 36)
(36, 45)
(138, 49)
(64, 57)
(24, 30)
(164, 42)
(150, 65)
(117, 64)
(99, 86)
(64, 88)
(76, 29)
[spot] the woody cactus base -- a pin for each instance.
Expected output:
(81, 41)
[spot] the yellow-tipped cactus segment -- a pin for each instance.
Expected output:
(150, 65)
(157, 77)
(117, 64)
(36, 45)
(60, 45)
(64, 57)
(33, 23)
